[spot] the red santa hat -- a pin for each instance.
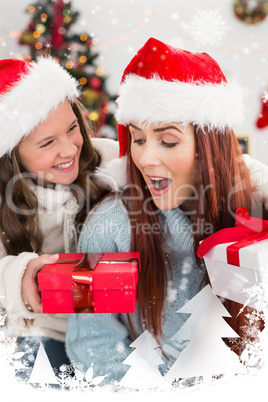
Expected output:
(28, 92)
(164, 84)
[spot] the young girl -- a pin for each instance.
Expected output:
(48, 162)
(185, 179)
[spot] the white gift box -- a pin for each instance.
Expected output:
(246, 284)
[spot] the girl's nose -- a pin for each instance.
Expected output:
(68, 148)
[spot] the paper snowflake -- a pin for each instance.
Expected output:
(249, 346)
(73, 378)
(207, 27)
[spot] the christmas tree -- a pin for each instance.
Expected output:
(206, 354)
(50, 32)
(42, 372)
(144, 360)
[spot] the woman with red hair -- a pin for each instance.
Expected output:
(186, 176)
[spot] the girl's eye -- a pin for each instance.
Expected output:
(73, 127)
(46, 144)
(169, 144)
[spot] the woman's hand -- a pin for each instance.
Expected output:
(29, 287)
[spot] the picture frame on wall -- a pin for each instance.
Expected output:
(244, 144)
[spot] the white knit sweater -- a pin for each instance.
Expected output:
(57, 209)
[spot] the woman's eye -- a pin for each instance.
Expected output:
(46, 144)
(169, 144)
(138, 141)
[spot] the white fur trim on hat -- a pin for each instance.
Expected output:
(155, 100)
(31, 99)
(113, 174)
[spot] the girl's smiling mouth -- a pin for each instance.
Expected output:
(65, 166)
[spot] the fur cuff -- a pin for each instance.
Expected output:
(13, 268)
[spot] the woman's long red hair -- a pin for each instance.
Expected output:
(222, 181)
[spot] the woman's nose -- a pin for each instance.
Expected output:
(149, 157)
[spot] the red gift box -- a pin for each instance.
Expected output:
(90, 283)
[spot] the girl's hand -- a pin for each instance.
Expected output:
(29, 287)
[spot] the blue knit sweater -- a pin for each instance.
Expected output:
(104, 339)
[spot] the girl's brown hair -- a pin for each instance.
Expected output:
(222, 182)
(20, 231)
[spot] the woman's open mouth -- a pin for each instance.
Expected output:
(159, 185)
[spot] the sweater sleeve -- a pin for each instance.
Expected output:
(259, 177)
(101, 339)
(107, 228)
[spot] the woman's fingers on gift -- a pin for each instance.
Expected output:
(30, 293)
